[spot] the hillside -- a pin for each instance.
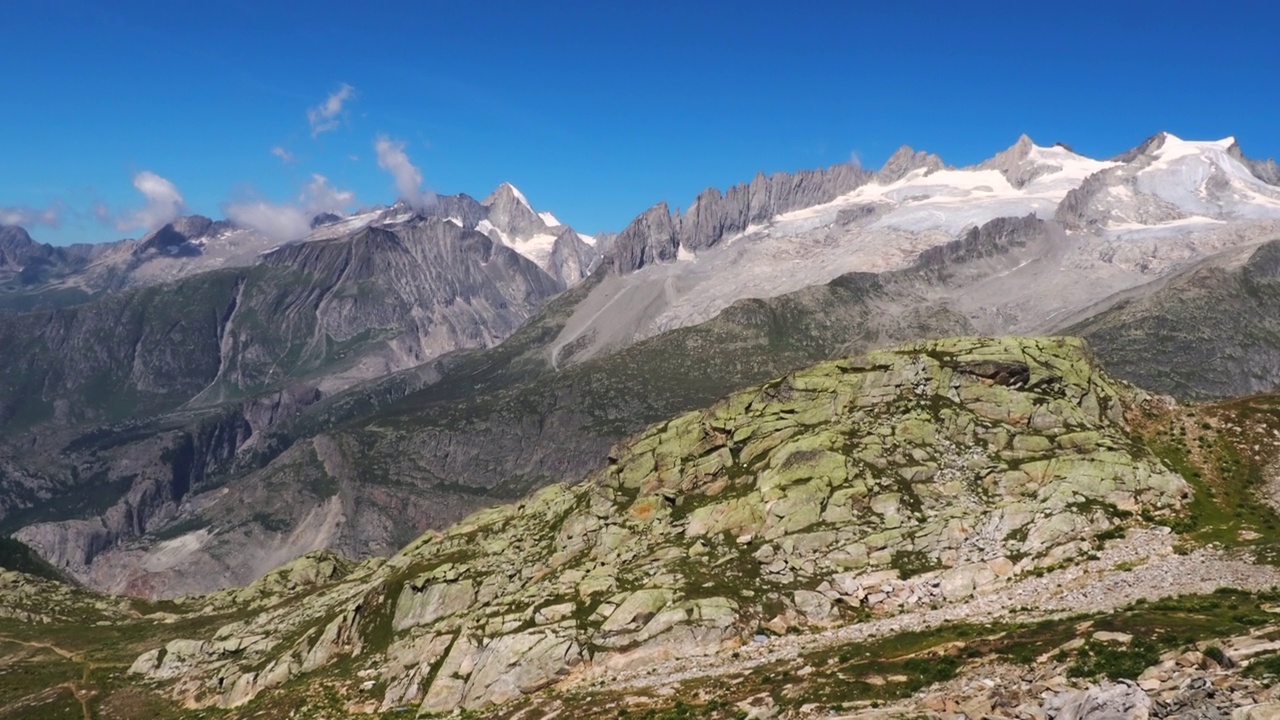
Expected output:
(810, 518)
(946, 467)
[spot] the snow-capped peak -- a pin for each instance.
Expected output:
(1175, 147)
(1169, 185)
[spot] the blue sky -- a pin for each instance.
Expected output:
(595, 110)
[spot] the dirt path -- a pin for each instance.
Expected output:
(61, 652)
(82, 695)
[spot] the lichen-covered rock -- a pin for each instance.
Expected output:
(919, 475)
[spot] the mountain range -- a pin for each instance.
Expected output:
(988, 441)
(188, 410)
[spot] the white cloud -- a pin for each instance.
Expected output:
(163, 203)
(281, 223)
(291, 221)
(30, 217)
(285, 156)
(392, 158)
(324, 117)
(320, 196)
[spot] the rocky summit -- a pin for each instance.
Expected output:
(856, 489)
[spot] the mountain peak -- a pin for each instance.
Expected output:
(12, 234)
(904, 161)
(1146, 147)
(506, 192)
(1016, 162)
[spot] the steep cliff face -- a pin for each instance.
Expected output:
(657, 235)
(648, 240)
(713, 217)
(138, 397)
(916, 475)
(354, 307)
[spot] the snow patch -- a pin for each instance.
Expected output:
(537, 248)
(549, 219)
(494, 232)
(1182, 224)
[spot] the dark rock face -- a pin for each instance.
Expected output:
(1076, 209)
(571, 258)
(1265, 170)
(1146, 147)
(992, 238)
(649, 239)
(1008, 374)
(16, 246)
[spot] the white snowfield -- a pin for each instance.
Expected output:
(951, 200)
(1201, 179)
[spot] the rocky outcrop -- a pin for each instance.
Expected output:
(1077, 211)
(1265, 170)
(572, 259)
(910, 477)
(994, 238)
(649, 239)
(1014, 163)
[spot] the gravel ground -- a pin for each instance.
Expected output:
(1142, 565)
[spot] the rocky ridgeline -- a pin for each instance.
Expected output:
(908, 478)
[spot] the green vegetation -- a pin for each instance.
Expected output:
(1225, 459)
(910, 563)
(14, 555)
(1113, 661)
